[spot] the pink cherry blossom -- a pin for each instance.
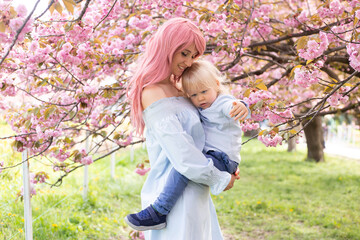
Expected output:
(353, 51)
(305, 77)
(314, 48)
(142, 171)
(270, 141)
(357, 14)
(86, 160)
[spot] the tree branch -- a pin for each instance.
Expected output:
(257, 72)
(106, 15)
(59, 181)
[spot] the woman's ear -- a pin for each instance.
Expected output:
(218, 82)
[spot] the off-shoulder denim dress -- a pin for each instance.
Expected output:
(175, 139)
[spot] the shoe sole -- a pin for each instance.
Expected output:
(145, 228)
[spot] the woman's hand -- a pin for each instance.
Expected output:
(239, 111)
(232, 180)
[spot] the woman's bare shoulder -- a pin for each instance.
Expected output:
(151, 94)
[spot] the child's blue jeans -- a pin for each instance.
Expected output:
(176, 183)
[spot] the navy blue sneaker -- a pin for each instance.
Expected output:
(147, 219)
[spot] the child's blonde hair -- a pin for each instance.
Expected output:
(202, 74)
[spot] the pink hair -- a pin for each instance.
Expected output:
(154, 65)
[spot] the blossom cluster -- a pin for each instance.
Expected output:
(279, 117)
(249, 126)
(335, 9)
(270, 140)
(354, 55)
(13, 20)
(338, 97)
(304, 77)
(315, 47)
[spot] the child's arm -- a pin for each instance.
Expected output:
(239, 111)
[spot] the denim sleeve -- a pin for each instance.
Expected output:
(227, 104)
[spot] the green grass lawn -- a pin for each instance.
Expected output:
(279, 196)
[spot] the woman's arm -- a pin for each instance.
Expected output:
(186, 158)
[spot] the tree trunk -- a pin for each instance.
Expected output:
(291, 145)
(315, 140)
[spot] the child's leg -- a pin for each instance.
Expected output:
(173, 189)
(154, 216)
(222, 161)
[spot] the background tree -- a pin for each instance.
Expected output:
(64, 73)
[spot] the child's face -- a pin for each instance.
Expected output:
(203, 97)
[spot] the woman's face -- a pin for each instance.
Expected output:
(183, 59)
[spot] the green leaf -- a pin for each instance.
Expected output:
(49, 111)
(28, 123)
(263, 132)
(302, 42)
(69, 4)
(293, 70)
(275, 129)
(259, 104)
(67, 140)
(261, 86)
(36, 144)
(247, 93)
(52, 8)
(293, 131)
(309, 61)
(58, 7)
(2, 27)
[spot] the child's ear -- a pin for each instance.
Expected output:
(218, 82)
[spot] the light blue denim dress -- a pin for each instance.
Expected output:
(175, 138)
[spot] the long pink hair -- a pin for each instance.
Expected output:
(154, 65)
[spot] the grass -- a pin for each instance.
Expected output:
(279, 196)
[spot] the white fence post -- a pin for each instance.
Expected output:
(27, 197)
(86, 170)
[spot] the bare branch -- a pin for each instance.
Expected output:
(106, 15)
(48, 7)
(38, 154)
(66, 69)
(59, 181)
(294, 35)
(257, 72)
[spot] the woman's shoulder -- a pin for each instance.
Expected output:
(151, 94)
(168, 108)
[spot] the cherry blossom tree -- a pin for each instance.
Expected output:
(64, 73)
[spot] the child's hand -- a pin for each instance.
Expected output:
(237, 172)
(239, 111)
(176, 81)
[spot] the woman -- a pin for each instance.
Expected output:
(174, 135)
